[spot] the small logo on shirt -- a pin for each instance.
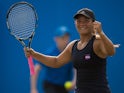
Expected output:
(87, 56)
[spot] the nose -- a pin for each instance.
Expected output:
(82, 24)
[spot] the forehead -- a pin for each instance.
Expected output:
(81, 17)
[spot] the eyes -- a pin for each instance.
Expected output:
(84, 21)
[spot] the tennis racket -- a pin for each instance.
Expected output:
(21, 21)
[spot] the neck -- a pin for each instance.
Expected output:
(85, 38)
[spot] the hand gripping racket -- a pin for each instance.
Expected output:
(21, 21)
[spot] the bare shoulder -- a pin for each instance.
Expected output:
(70, 45)
(72, 42)
(65, 56)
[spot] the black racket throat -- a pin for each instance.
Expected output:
(26, 42)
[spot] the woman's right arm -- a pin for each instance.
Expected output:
(52, 61)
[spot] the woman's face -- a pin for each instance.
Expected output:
(84, 25)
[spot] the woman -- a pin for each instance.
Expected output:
(88, 54)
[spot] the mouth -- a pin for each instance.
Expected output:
(83, 28)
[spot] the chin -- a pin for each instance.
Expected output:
(84, 33)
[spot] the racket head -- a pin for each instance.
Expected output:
(21, 20)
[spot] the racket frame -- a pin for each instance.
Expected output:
(21, 40)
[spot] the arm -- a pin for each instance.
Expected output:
(105, 44)
(51, 61)
(33, 81)
(108, 45)
(98, 37)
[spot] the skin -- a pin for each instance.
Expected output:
(103, 47)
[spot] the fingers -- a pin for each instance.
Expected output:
(96, 23)
(27, 52)
(97, 27)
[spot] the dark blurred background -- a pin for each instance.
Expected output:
(14, 71)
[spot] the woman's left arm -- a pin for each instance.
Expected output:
(105, 41)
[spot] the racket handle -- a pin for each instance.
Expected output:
(31, 65)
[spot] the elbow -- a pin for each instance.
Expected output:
(53, 65)
(56, 64)
(112, 52)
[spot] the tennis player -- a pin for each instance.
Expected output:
(88, 54)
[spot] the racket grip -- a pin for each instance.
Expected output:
(31, 65)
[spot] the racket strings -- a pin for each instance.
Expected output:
(22, 21)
